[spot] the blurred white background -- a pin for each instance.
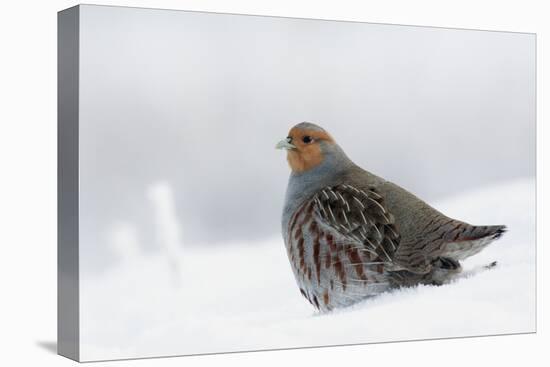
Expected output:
(28, 156)
(198, 101)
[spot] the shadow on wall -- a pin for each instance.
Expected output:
(49, 346)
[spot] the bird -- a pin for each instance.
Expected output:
(351, 235)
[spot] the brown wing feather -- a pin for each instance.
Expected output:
(361, 215)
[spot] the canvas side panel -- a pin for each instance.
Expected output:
(67, 183)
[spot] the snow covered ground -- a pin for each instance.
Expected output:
(237, 297)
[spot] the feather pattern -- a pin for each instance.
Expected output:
(340, 242)
(360, 216)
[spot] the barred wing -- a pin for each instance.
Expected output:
(361, 216)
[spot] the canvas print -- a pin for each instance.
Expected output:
(235, 183)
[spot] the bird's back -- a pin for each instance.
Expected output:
(425, 233)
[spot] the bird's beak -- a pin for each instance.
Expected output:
(285, 144)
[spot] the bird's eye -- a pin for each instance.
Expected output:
(307, 139)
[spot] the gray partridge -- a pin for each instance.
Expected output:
(350, 234)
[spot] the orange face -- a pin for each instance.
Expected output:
(306, 153)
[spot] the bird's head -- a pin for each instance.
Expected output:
(307, 145)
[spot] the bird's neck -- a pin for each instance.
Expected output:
(303, 185)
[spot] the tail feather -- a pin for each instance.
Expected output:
(478, 232)
(472, 240)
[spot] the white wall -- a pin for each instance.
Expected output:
(28, 155)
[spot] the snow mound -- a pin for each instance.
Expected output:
(237, 297)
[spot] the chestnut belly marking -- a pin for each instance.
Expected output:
(330, 269)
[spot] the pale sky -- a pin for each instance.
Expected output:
(197, 101)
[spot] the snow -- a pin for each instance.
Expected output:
(238, 297)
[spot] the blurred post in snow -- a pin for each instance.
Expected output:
(166, 226)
